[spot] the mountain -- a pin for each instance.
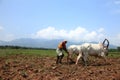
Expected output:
(29, 42)
(39, 43)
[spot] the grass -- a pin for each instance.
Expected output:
(7, 52)
(114, 54)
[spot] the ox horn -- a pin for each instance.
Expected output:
(107, 42)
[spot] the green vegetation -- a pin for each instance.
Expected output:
(14, 50)
(114, 54)
(40, 52)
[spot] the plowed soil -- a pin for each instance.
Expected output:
(26, 67)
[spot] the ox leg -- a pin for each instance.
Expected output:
(105, 59)
(69, 58)
(85, 59)
(78, 57)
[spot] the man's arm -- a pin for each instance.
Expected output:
(65, 50)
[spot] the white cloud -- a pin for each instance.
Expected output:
(51, 33)
(117, 2)
(78, 34)
(4, 36)
(8, 37)
(115, 40)
(101, 30)
(114, 6)
(1, 28)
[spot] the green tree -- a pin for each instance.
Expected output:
(118, 48)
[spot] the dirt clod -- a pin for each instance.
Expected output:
(26, 67)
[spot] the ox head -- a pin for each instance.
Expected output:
(105, 47)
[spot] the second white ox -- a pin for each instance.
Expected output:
(89, 49)
(73, 49)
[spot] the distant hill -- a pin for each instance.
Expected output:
(40, 43)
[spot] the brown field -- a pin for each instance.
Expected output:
(26, 67)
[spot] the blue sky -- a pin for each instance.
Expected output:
(74, 20)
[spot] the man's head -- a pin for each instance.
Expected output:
(65, 41)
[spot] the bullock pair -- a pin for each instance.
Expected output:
(88, 49)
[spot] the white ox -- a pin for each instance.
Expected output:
(97, 50)
(86, 49)
(73, 49)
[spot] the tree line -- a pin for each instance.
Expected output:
(20, 47)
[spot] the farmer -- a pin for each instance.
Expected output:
(59, 50)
